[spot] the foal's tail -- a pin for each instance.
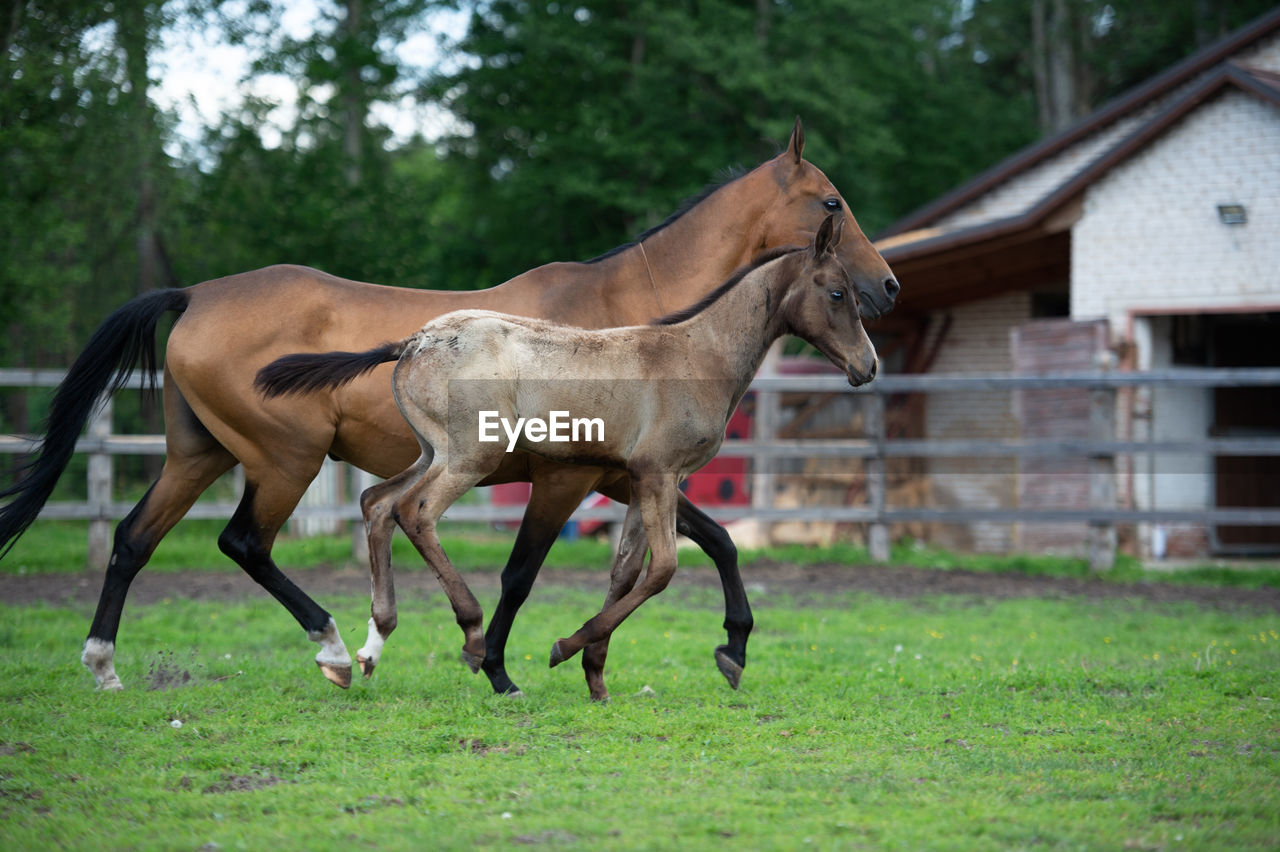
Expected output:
(125, 339)
(322, 371)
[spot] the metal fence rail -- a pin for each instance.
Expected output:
(1101, 449)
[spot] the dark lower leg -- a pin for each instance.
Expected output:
(716, 543)
(550, 505)
(533, 542)
(136, 537)
(247, 541)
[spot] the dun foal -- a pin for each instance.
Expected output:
(661, 394)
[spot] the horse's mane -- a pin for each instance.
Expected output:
(727, 177)
(709, 299)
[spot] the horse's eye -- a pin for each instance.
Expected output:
(837, 295)
(832, 204)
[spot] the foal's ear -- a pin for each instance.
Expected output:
(828, 236)
(796, 146)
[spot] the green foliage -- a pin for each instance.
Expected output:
(616, 112)
(926, 724)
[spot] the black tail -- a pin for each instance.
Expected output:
(125, 340)
(322, 371)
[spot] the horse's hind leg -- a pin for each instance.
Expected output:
(377, 507)
(181, 481)
(715, 541)
(632, 547)
(552, 501)
(418, 510)
(265, 506)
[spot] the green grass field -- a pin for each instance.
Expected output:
(935, 723)
(59, 547)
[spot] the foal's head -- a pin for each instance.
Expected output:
(821, 306)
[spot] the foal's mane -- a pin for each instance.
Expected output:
(709, 299)
(728, 176)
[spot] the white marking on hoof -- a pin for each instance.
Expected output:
(333, 659)
(372, 650)
(99, 657)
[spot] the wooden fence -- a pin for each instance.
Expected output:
(1101, 450)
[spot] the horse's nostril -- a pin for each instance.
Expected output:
(891, 287)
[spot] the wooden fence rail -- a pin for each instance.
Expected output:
(1101, 449)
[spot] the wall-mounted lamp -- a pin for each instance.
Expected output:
(1232, 214)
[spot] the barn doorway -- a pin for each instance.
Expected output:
(1245, 340)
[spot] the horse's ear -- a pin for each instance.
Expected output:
(796, 146)
(824, 241)
(836, 232)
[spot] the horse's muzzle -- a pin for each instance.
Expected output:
(861, 377)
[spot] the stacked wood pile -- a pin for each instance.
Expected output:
(843, 481)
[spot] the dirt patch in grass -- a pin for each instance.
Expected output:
(764, 579)
(244, 783)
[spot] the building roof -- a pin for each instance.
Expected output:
(1057, 169)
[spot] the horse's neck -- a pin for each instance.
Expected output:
(695, 254)
(674, 268)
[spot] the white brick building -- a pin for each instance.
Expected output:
(1131, 219)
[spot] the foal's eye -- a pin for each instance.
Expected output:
(832, 204)
(837, 295)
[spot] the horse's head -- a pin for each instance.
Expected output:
(821, 306)
(805, 197)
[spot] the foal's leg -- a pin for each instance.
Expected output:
(552, 501)
(655, 497)
(632, 547)
(377, 507)
(717, 544)
(417, 510)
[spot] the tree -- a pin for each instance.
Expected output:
(617, 110)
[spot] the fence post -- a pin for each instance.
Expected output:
(360, 481)
(1102, 478)
(877, 487)
(767, 415)
(99, 476)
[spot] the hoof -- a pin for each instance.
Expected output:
(732, 671)
(366, 665)
(557, 656)
(338, 675)
(473, 661)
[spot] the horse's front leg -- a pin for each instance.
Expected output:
(655, 497)
(632, 547)
(716, 543)
(556, 493)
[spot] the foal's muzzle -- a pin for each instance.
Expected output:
(861, 377)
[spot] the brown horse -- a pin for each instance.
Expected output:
(652, 401)
(230, 327)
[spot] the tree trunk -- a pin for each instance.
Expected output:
(1054, 64)
(353, 101)
(135, 38)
